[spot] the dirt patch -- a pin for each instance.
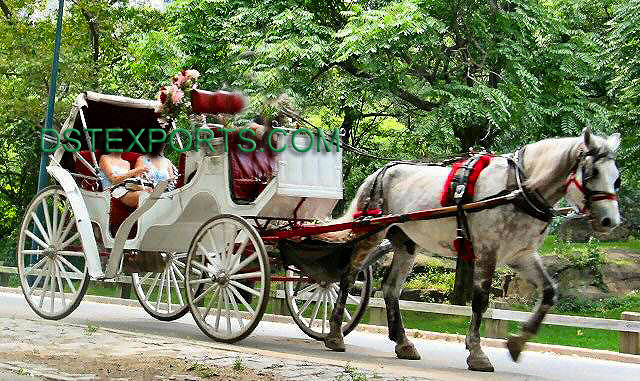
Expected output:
(134, 368)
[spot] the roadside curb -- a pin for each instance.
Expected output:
(427, 335)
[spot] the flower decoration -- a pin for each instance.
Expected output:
(175, 98)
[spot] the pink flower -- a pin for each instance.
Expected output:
(181, 79)
(162, 95)
(176, 94)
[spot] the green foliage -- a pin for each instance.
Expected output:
(432, 278)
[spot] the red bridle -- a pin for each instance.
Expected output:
(589, 195)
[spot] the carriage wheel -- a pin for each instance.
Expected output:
(227, 258)
(51, 261)
(311, 303)
(162, 294)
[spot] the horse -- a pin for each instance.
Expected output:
(581, 169)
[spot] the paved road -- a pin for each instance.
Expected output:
(440, 360)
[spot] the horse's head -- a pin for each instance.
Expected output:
(594, 181)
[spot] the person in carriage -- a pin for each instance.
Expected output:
(115, 171)
(158, 167)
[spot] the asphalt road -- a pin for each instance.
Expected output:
(440, 360)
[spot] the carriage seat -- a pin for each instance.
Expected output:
(249, 172)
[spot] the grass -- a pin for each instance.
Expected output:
(550, 244)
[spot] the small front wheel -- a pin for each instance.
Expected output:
(162, 294)
(227, 278)
(311, 303)
(51, 260)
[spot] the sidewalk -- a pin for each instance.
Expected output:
(39, 349)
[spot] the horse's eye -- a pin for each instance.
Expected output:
(616, 184)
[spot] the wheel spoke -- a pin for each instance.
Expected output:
(210, 304)
(144, 278)
(67, 242)
(201, 267)
(246, 275)
(201, 281)
(153, 286)
(33, 287)
(205, 292)
(63, 220)
(219, 309)
(308, 302)
(36, 266)
(236, 312)
(69, 265)
(52, 295)
(177, 271)
(307, 289)
(41, 229)
(44, 285)
(64, 273)
(36, 239)
(160, 291)
(47, 220)
(175, 284)
(238, 254)
(324, 316)
(59, 280)
(168, 280)
(315, 311)
(244, 263)
(71, 253)
(32, 252)
(227, 310)
(243, 287)
(54, 223)
(66, 230)
(243, 301)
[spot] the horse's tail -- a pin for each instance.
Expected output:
(360, 197)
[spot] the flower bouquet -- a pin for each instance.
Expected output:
(176, 97)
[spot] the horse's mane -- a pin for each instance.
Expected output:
(547, 160)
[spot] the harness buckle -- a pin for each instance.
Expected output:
(459, 193)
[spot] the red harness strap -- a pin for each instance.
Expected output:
(595, 196)
(447, 193)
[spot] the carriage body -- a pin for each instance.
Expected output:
(304, 185)
(248, 191)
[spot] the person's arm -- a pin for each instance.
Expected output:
(107, 168)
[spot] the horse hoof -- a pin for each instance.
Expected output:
(479, 363)
(334, 343)
(407, 352)
(515, 345)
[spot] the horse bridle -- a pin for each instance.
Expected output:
(591, 196)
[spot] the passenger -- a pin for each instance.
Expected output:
(158, 168)
(114, 170)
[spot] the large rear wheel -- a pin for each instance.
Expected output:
(228, 259)
(51, 260)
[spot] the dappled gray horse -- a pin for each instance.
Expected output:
(580, 169)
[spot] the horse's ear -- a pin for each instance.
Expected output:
(613, 142)
(586, 135)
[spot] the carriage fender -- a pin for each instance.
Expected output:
(85, 229)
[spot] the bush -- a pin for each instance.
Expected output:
(8, 251)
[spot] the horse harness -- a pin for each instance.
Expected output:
(460, 191)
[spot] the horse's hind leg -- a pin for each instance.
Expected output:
(483, 272)
(335, 339)
(532, 269)
(403, 259)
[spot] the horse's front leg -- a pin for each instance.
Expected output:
(483, 272)
(335, 340)
(532, 269)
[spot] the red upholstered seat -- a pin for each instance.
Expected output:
(250, 172)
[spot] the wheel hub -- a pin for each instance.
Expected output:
(222, 278)
(50, 252)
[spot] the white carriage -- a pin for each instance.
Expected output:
(201, 243)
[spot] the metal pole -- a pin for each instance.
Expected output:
(43, 178)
